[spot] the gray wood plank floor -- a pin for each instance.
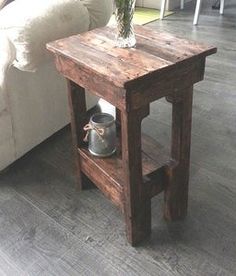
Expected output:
(48, 228)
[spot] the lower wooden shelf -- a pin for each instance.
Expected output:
(107, 173)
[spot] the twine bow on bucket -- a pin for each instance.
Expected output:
(100, 131)
(101, 135)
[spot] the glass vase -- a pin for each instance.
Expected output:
(124, 18)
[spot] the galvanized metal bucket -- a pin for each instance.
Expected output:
(101, 135)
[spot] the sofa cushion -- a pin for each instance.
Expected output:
(3, 101)
(3, 3)
(99, 11)
(39, 22)
(5, 126)
(7, 142)
(7, 153)
(7, 51)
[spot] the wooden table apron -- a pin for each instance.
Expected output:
(161, 65)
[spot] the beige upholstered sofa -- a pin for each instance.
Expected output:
(33, 104)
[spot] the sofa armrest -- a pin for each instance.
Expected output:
(100, 12)
(7, 53)
(39, 22)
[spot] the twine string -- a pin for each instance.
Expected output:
(100, 131)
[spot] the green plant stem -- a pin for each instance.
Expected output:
(124, 17)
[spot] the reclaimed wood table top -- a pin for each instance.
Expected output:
(154, 51)
(159, 62)
(161, 65)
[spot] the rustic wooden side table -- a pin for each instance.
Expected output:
(161, 65)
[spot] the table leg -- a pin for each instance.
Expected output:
(77, 105)
(176, 192)
(137, 206)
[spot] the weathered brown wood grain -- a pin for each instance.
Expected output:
(137, 207)
(161, 65)
(176, 190)
(108, 173)
(77, 104)
(129, 70)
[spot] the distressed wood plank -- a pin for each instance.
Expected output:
(131, 79)
(204, 244)
(109, 175)
(118, 62)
